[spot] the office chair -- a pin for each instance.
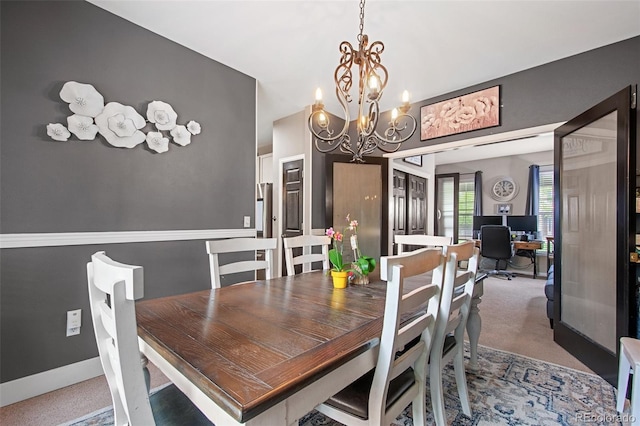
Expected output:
(495, 244)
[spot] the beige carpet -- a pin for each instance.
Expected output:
(513, 319)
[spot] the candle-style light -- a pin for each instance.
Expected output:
(373, 80)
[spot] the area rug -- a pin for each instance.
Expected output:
(507, 389)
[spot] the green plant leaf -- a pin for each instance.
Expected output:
(335, 257)
(366, 264)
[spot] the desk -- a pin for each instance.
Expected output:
(527, 246)
(530, 248)
(266, 352)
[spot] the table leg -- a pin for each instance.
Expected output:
(474, 325)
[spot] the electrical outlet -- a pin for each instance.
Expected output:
(74, 322)
(247, 221)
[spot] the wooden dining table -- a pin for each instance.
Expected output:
(265, 352)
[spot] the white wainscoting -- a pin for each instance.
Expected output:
(47, 381)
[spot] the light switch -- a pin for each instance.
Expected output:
(247, 221)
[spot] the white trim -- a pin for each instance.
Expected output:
(88, 238)
(481, 140)
(47, 381)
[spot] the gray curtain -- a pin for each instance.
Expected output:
(477, 194)
(533, 191)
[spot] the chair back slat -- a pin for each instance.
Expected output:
(414, 263)
(237, 245)
(420, 240)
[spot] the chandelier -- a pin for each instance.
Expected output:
(372, 81)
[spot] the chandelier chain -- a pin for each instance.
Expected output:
(361, 20)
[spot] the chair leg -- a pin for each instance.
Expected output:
(461, 381)
(551, 323)
(635, 399)
(437, 393)
(623, 379)
(419, 405)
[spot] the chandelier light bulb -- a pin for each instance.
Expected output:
(394, 114)
(318, 95)
(322, 119)
(405, 97)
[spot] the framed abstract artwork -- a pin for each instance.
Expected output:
(474, 111)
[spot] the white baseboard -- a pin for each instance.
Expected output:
(47, 381)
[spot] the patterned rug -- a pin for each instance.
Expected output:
(507, 389)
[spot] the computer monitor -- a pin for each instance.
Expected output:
(526, 224)
(479, 221)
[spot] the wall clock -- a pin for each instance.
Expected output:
(504, 189)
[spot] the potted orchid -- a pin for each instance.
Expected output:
(338, 271)
(361, 266)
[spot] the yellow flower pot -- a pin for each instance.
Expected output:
(340, 279)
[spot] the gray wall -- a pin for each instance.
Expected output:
(550, 93)
(90, 186)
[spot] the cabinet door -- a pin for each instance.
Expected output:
(594, 229)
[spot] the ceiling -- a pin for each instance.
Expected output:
(431, 47)
(540, 143)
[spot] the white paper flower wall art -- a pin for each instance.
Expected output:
(121, 125)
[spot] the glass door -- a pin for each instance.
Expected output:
(593, 233)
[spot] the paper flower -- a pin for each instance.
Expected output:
(157, 142)
(58, 132)
(120, 124)
(82, 126)
(194, 127)
(82, 98)
(181, 135)
(162, 115)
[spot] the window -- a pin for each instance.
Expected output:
(545, 210)
(465, 207)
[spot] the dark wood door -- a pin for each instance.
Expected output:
(417, 205)
(292, 203)
(399, 204)
(594, 285)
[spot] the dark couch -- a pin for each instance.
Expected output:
(548, 291)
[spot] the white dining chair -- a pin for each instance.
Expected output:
(448, 344)
(420, 240)
(629, 363)
(399, 379)
(306, 243)
(237, 245)
(113, 289)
